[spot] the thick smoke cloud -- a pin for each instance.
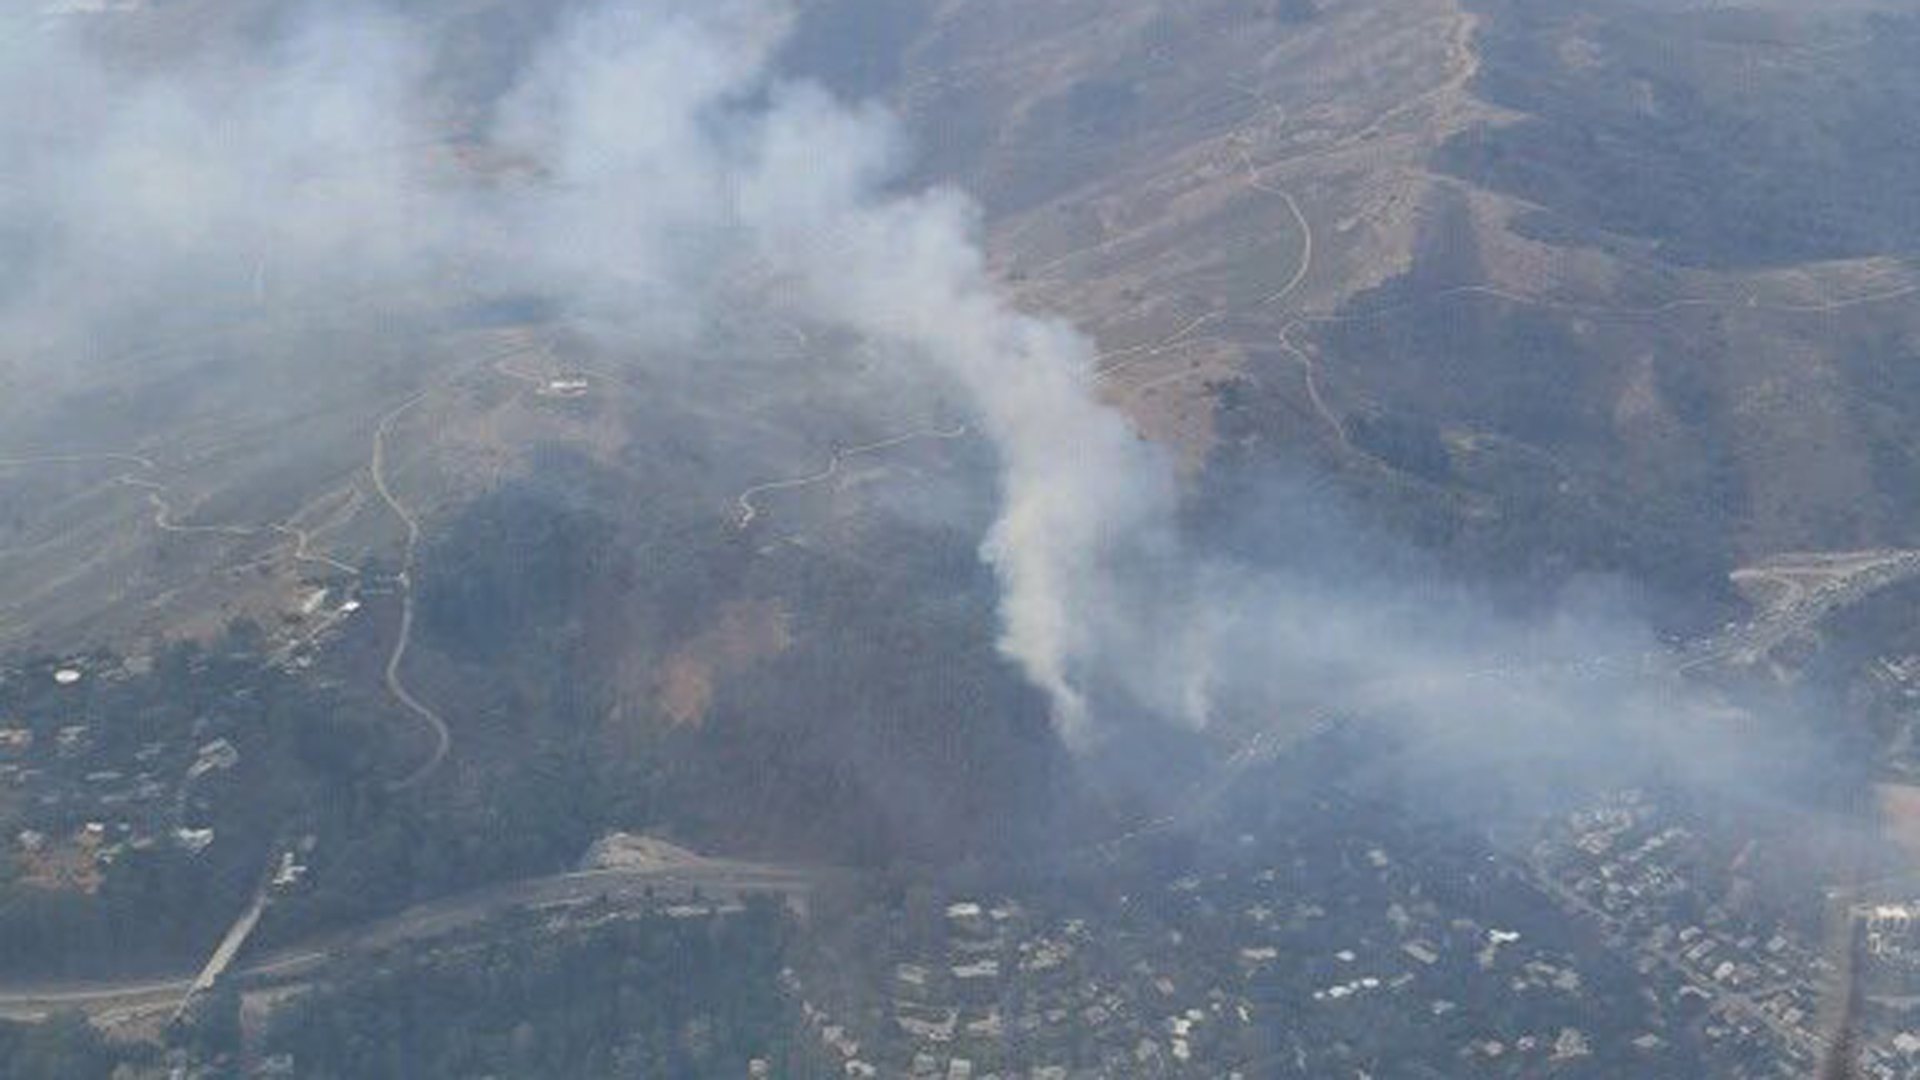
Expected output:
(648, 160)
(659, 161)
(136, 197)
(665, 184)
(672, 147)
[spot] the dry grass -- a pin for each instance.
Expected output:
(1900, 818)
(744, 633)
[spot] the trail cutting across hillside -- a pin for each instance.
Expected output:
(165, 516)
(748, 499)
(1462, 66)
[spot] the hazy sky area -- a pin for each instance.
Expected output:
(643, 165)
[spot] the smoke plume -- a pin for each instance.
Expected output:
(646, 159)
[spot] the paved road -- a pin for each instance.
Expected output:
(1816, 586)
(228, 950)
(714, 879)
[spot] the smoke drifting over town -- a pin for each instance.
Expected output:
(647, 160)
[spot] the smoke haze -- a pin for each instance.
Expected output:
(649, 171)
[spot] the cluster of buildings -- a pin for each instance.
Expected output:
(1753, 982)
(1004, 994)
(1334, 951)
(78, 795)
(1890, 933)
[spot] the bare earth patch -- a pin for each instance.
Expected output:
(1900, 818)
(746, 631)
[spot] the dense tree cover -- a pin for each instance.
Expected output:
(1736, 166)
(313, 763)
(525, 601)
(63, 1046)
(1411, 444)
(1502, 457)
(891, 728)
(157, 903)
(513, 574)
(1883, 369)
(657, 996)
(382, 851)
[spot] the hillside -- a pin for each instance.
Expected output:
(1554, 296)
(1515, 289)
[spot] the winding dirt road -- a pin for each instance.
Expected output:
(747, 500)
(1462, 67)
(395, 677)
(301, 541)
(394, 674)
(165, 517)
(1110, 363)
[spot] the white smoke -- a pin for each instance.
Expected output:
(137, 196)
(667, 160)
(654, 155)
(676, 154)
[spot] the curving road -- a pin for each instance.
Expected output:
(165, 517)
(1112, 362)
(403, 637)
(1256, 181)
(301, 541)
(1815, 587)
(1463, 66)
(394, 674)
(747, 500)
